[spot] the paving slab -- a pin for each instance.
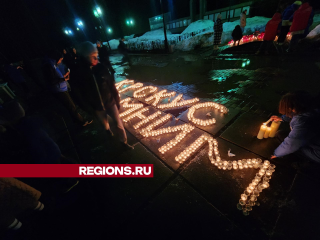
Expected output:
(223, 188)
(243, 132)
(122, 196)
(179, 212)
(221, 119)
(153, 143)
(299, 218)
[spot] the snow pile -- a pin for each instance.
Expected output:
(198, 25)
(128, 37)
(114, 43)
(314, 32)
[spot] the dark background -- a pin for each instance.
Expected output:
(30, 27)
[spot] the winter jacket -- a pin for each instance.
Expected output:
(243, 20)
(96, 86)
(218, 26)
(104, 58)
(122, 47)
(287, 15)
(272, 27)
(304, 136)
(302, 18)
(237, 33)
(41, 148)
(14, 74)
(53, 75)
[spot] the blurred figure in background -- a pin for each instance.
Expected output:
(302, 20)
(123, 50)
(218, 29)
(237, 35)
(243, 20)
(287, 17)
(104, 57)
(271, 31)
(58, 85)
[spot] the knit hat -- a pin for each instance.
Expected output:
(86, 48)
(297, 3)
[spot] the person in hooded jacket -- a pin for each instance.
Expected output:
(58, 84)
(287, 17)
(298, 109)
(302, 20)
(237, 35)
(98, 90)
(271, 31)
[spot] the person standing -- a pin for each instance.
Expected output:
(270, 33)
(302, 20)
(104, 57)
(243, 20)
(58, 85)
(287, 17)
(98, 89)
(218, 29)
(237, 35)
(123, 50)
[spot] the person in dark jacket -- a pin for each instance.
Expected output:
(58, 84)
(123, 50)
(104, 57)
(68, 59)
(98, 90)
(218, 29)
(270, 33)
(237, 35)
(287, 17)
(304, 118)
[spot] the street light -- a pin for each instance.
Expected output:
(109, 30)
(130, 22)
(98, 14)
(68, 31)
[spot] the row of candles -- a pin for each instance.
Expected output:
(208, 122)
(249, 197)
(144, 91)
(158, 96)
(261, 181)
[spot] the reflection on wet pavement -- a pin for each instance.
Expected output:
(228, 78)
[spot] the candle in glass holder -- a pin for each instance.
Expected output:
(267, 132)
(244, 197)
(268, 173)
(263, 129)
(274, 128)
(265, 185)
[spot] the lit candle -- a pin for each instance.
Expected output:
(265, 185)
(274, 128)
(267, 132)
(263, 129)
(244, 197)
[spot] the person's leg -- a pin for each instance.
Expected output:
(294, 42)
(283, 34)
(102, 116)
(114, 114)
(67, 101)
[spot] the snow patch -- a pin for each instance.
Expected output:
(114, 43)
(314, 32)
(198, 25)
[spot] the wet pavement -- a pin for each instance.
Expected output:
(193, 200)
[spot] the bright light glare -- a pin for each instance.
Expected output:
(78, 29)
(109, 30)
(99, 10)
(66, 32)
(70, 31)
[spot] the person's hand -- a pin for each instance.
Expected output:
(273, 157)
(67, 78)
(67, 74)
(19, 67)
(276, 118)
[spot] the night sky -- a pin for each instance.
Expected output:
(31, 27)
